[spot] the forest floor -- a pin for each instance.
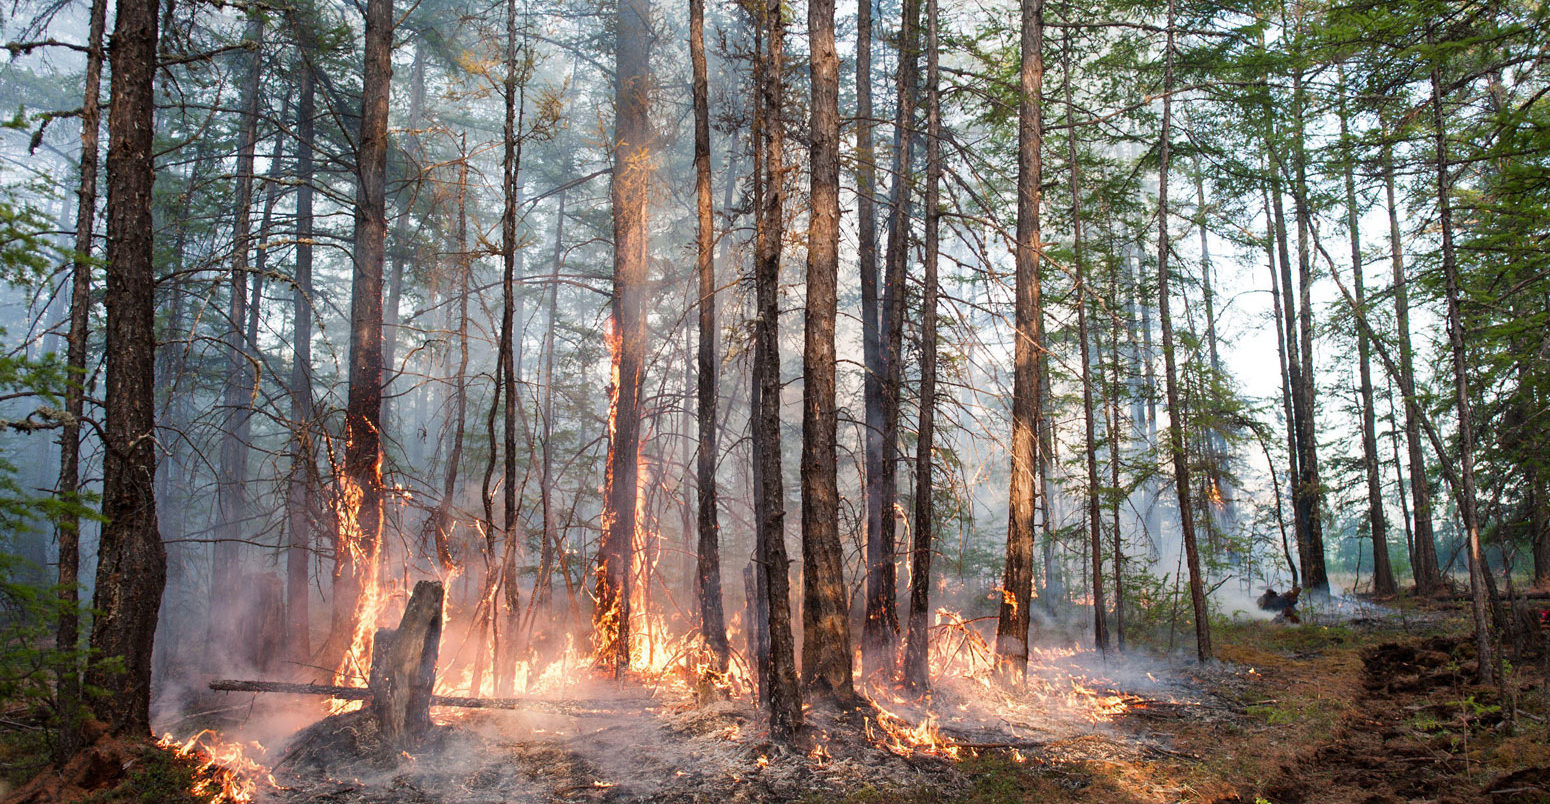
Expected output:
(1370, 705)
(1373, 707)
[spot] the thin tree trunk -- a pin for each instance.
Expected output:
(1116, 445)
(511, 166)
(881, 632)
(131, 561)
(551, 543)
(1017, 585)
(1382, 571)
(1423, 560)
(784, 698)
(1484, 647)
(917, 645)
(1176, 415)
(67, 526)
(241, 376)
(441, 522)
(1094, 498)
(1310, 491)
(1287, 408)
(300, 489)
(631, 176)
(708, 554)
(879, 563)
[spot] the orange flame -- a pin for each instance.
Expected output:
(227, 773)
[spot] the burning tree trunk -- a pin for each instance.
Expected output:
(241, 377)
(361, 493)
(917, 644)
(300, 489)
(1094, 501)
(826, 662)
(779, 676)
(67, 527)
(131, 563)
(1017, 585)
(627, 336)
(708, 566)
(1176, 414)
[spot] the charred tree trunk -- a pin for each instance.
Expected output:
(131, 561)
(67, 526)
(1176, 414)
(708, 554)
(783, 698)
(826, 664)
(917, 645)
(1423, 559)
(360, 540)
(300, 489)
(880, 632)
(1094, 498)
(1017, 585)
(631, 175)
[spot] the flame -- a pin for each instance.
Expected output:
(1214, 493)
(364, 555)
(227, 772)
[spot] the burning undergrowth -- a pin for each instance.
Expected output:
(669, 734)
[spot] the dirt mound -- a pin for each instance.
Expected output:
(1417, 667)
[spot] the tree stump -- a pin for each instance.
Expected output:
(403, 669)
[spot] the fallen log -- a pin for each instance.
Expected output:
(364, 694)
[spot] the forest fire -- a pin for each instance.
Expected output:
(364, 556)
(228, 772)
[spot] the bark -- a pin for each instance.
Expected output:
(1423, 559)
(784, 698)
(879, 563)
(67, 526)
(1468, 510)
(1176, 415)
(880, 633)
(1094, 499)
(917, 645)
(241, 375)
(1310, 490)
(131, 563)
(1382, 571)
(708, 554)
(357, 563)
(825, 605)
(1017, 584)
(300, 489)
(631, 175)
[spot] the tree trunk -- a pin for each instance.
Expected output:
(875, 636)
(1310, 491)
(361, 539)
(1094, 497)
(1017, 585)
(1468, 511)
(551, 538)
(1423, 560)
(131, 563)
(826, 660)
(708, 555)
(631, 176)
(880, 633)
(1176, 414)
(511, 166)
(1287, 408)
(1382, 572)
(300, 489)
(917, 644)
(784, 698)
(67, 526)
(241, 377)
